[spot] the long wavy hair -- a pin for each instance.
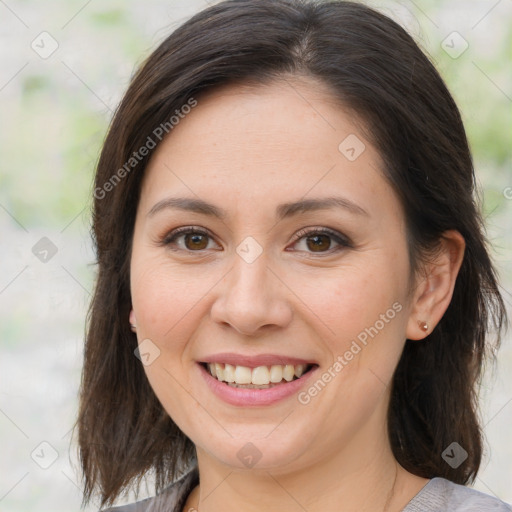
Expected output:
(370, 64)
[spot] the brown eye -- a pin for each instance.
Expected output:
(196, 241)
(187, 239)
(318, 243)
(321, 240)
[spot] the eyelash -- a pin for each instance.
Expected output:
(342, 241)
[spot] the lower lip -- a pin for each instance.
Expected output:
(254, 397)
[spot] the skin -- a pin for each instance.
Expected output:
(247, 150)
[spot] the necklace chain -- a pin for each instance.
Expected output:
(391, 492)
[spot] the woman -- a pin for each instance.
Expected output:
(294, 295)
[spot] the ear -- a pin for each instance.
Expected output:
(434, 287)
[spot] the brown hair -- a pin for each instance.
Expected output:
(372, 65)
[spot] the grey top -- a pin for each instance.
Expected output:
(439, 495)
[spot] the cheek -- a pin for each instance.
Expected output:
(362, 315)
(351, 299)
(167, 301)
(167, 297)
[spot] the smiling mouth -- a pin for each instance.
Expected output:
(261, 377)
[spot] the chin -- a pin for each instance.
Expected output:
(257, 448)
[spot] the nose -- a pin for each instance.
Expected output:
(251, 298)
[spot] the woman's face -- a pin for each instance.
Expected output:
(267, 287)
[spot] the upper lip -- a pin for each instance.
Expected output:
(254, 361)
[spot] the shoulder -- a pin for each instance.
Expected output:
(171, 499)
(440, 495)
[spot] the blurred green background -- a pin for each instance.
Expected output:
(55, 110)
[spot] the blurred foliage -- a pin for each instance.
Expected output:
(108, 18)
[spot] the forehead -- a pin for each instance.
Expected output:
(264, 142)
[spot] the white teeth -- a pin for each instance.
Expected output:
(243, 375)
(263, 376)
(299, 370)
(289, 372)
(229, 373)
(260, 375)
(250, 386)
(276, 373)
(219, 371)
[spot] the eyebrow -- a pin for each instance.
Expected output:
(283, 211)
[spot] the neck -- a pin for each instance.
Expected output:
(363, 477)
